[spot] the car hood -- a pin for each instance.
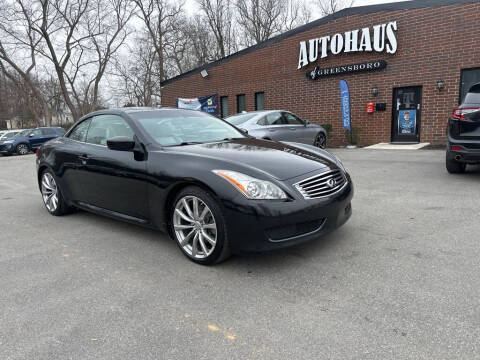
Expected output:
(280, 160)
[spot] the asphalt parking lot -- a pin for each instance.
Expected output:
(401, 280)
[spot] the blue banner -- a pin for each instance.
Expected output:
(345, 99)
(208, 104)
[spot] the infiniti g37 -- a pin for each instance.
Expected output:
(214, 189)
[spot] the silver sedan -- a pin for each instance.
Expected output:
(280, 125)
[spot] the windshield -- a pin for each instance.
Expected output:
(239, 119)
(181, 127)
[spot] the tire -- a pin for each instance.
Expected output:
(22, 149)
(320, 140)
(52, 195)
(454, 166)
(194, 233)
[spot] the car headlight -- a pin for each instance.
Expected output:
(251, 187)
(8, 141)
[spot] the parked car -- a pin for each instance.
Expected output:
(213, 188)
(463, 133)
(280, 126)
(29, 140)
(8, 134)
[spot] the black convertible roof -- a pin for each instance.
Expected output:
(369, 9)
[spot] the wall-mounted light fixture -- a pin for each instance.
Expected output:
(374, 90)
(440, 85)
(204, 73)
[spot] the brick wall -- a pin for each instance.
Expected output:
(433, 43)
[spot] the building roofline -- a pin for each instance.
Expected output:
(368, 9)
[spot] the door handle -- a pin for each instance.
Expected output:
(83, 159)
(293, 129)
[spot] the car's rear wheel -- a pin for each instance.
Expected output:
(22, 149)
(198, 226)
(320, 140)
(51, 195)
(454, 166)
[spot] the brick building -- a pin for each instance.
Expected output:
(418, 59)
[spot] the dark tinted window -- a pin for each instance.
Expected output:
(273, 119)
(224, 105)
(241, 105)
(259, 101)
(103, 127)
(79, 133)
(48, 131)
(292, 119)
(469, 77)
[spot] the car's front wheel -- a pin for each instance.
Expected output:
(199, 227)
(51, 195)
(22, 149)
(454, 166)
(320, 140)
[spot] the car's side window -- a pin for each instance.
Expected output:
(292, 119)
(36, 132)
(262, 121)
(274, 119)
(79, 133)
(48, 131)
(104, 127)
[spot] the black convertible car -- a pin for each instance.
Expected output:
(212, 187)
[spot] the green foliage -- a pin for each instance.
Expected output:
(328, 128)
(353, 136)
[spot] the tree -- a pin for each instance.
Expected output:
(328, 7)
(19, 48)
(161, 19)
(138, 79)
(262, 19)
(81, 35)
(219, 16)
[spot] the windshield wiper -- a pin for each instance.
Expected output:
(233, 138)
(189, 143)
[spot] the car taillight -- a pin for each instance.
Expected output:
(459, 113)
(37, 151)
(456, 148)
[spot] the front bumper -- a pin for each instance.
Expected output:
(255, 226)
(7, 149)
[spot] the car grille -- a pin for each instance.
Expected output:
(321, 185)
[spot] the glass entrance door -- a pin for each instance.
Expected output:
(406, 113)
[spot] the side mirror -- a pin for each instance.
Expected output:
(121, 143)
(307, 122)
(245, 131)
(31, 135)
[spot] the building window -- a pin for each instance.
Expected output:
(241, 103)
(259, 101)
(224, 106)
(468, 78)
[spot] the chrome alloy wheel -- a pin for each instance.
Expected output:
(195, 227)
(49, 192)
(320, 141)
(22, 149)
